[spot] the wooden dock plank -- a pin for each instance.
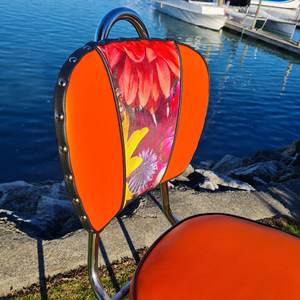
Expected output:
(264, 36)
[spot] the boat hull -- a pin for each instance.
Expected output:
(289, 4)
(204, 19)
(264, 21)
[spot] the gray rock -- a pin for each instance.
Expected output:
(54, 209)
(5, 187)
(223, 180)
(208, 184)
(58, 191)
(71, 225)
(188, 171)
(170, 185)
(262, 170)
(296, 161)
(34, 226)
(23, 199)
(257, 181)
(227, 163)
(206, 165)
(285, 177)
(37, 209)
(182, 178)
(270, 155)
(292, 149)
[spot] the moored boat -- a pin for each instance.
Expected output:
(289, 4)
(206, 14)
(264, 21)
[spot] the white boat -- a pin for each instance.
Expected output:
(283, 13)
(289, 4)
(206, 14)
(264, 21)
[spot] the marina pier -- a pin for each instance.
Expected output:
(272, 39)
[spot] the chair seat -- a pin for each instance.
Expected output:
(218, 256)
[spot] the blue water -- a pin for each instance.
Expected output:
(254, 97)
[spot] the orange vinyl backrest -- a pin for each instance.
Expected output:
(129, 115)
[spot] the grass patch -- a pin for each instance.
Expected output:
(287, 224)
(75, 285)
(292, 228)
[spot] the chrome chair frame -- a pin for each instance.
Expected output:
(101, 33)
(93, 249)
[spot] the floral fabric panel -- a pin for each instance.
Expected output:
(146, 78)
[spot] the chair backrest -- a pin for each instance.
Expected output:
(128, 116)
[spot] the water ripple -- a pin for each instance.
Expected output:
(254, 96)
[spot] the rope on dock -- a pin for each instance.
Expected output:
(243, 33)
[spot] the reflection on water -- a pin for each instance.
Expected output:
(287, 72)
(254, 95)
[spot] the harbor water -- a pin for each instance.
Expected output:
(254, 95)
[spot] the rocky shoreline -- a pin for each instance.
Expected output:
(43, 210)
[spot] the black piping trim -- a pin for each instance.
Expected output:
(120, 40)
(59, 99)
(59, 107)
(109, 41)
(179, 223)
(179, 111)
(120, 124)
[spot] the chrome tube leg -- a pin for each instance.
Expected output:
(94, 274)
(93, 267)
(166, 204)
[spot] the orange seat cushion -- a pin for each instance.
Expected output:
(219, 256)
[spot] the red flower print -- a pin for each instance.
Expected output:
(146, 78)
(145, 70)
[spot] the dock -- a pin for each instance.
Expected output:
(274, 40)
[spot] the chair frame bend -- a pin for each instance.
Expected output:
(115, 15)
(93, 248)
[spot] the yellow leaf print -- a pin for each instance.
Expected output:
(130, 145)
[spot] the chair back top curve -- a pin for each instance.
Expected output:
(128, 116)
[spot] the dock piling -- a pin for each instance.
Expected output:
(256, 14)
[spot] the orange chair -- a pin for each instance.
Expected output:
(128, 117)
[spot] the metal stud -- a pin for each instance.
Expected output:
(69, 177)
(76, 200)
(59, 117)
(73, 59)
(62, 82)
(83, 218)
(63, 149)
(87, 47)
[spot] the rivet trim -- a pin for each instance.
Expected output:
(69, 177)
(76, 200)
(59, 117)
(63, 149)
(87, 47)
(83, 218)
(62, 82)
(73, 59)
